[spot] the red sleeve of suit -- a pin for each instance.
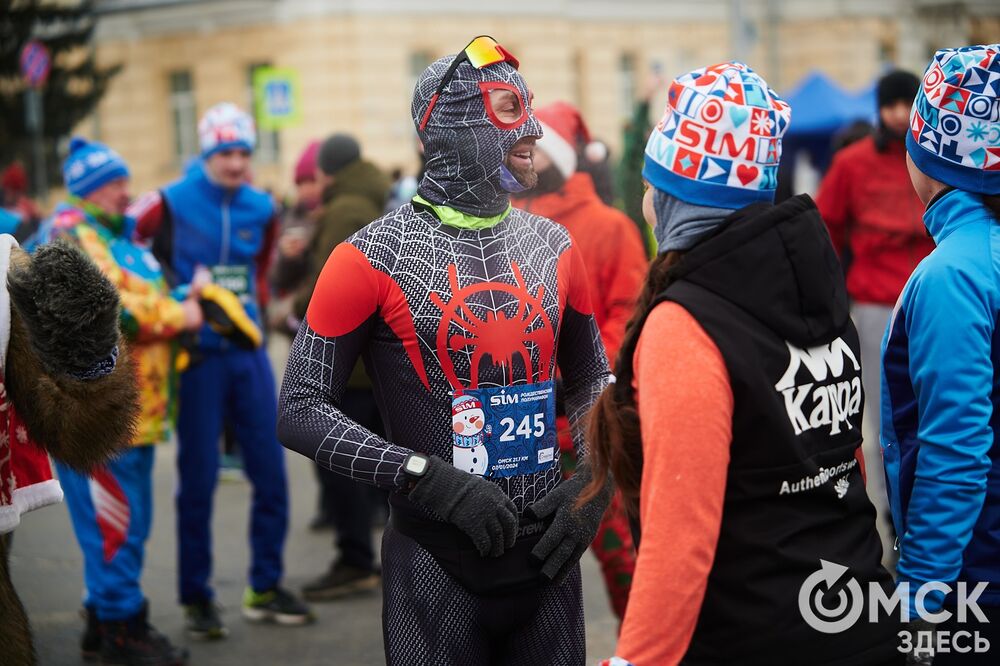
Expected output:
(573, 287)
(335, 311)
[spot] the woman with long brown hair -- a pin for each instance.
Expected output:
(734, 424)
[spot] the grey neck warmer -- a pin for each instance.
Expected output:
(680, 225)
(464, 150)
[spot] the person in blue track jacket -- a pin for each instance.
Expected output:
(941, 354)
(212, 220)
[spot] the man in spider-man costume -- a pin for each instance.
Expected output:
(457, 294)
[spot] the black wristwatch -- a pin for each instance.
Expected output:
(415, 467)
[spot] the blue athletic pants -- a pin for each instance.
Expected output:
(236, 387)
(112, 513)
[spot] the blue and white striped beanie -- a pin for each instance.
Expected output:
(91, 165)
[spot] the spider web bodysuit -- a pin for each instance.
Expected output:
(433, 309)
(380, 297)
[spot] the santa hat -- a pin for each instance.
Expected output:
(564, 134)
(953, 126)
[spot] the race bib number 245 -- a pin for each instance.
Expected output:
(505, 431)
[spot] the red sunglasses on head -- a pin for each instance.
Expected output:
(480, 52)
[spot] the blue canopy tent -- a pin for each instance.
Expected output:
(820, 109)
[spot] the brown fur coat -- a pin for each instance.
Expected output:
(64, 321)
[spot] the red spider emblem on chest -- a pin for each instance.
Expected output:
(500, 337)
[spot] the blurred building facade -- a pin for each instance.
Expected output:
(357, 60)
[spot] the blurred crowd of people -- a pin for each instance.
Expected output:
(793, 381)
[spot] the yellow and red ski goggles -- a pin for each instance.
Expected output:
(480, 52)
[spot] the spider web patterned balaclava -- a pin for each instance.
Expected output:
(464, 149)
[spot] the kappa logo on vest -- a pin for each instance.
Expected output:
(832, 397)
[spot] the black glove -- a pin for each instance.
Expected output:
(69, 309)
(471, 503)
(572, 530)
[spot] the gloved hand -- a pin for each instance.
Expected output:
(75, 391)
(572, 530)
(69, 309)
(471, 503)
(225, 315)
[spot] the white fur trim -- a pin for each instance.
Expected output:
(28, 499)
(7, 243)
(562, 154)
(596, 152)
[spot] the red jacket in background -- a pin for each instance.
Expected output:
(615, 259)
(610, 247)
(869, 205)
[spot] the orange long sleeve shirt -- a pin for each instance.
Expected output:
(686, 406)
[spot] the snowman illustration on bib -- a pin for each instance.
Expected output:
(469, 424)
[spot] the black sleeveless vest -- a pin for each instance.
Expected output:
(768, 290)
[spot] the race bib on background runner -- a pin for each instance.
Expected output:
(505, 431)
(234, 278)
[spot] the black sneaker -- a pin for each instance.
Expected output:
(134, 642)
(276, 605)
(203, 621)
(90, 642)
(320, 523)
(340, 581)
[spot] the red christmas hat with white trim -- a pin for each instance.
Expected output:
(565, 133)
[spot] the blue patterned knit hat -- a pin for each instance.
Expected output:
(719, 141)
(954, 132)
(91, 165)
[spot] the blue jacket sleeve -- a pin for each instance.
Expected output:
(950, 323)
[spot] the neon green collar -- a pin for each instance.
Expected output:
(115, 223)
(460, 220)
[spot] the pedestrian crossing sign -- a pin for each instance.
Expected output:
(277, 100)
